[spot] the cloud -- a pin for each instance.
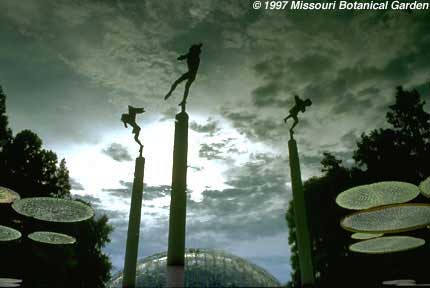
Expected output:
(169, 114)
(210, 151)
(196, 168)
(94, 201)
(350, 88)
(350, 139)
(117, 152)
(267, 95)
(258, 198)
(149, 192)
(154, 192)
(257, 127)
(75, 185)
(210, 128)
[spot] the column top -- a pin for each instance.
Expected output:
(182, 115)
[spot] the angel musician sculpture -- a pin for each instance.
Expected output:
(130, 119)
(300, 106)
(193, 62)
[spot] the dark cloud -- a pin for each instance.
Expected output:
(274, 92)
(154, 192)
(210, 151)
(267, 95)
(94, 201)
(242, 228)
(210, 128)
(169, 114)
(258, 198)
(351, 103)
(196, 168)
(117, 152)
(149, 192)
(355, 85)
(222, 150)
(115, 217)
(312, 162)
(350, 139)
(257, 127)
(75, 185)
(96, 204)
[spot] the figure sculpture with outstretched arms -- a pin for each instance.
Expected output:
(300, 106)
(130, 119)
(193, 62)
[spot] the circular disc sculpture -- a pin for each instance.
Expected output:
(381, 212)
(366, 236)
(10, 282)
(203, 268)
(388, 219)
(388, 244)
(53, 209)
(400, 282)
(52, 238)
(377, 194)
(425, 187)
(7, 195)
(8, 234)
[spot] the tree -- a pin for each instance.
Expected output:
(407, 143)
(63, 182)
(34, 172)
(401, 153)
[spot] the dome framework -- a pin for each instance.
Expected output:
(203, 268)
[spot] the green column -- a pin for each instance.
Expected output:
(178, 202)
(129, 278)
(302, 229)
(175, 276)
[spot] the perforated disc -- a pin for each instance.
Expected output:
(425, 187)
(52, 238)
(7, 195)
(9, 234)
(388, 219)
(53, 209)
(388, 244)
(377, 194)
(365, 236)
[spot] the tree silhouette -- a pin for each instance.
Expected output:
(34, 172)
(406, 143)
(400, 152)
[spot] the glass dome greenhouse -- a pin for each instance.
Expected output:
(203, 268)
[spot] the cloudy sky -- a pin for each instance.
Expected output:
(71, 67)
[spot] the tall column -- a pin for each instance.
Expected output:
(131, 250)
(300, 217)
(175, 276)
(178, 202)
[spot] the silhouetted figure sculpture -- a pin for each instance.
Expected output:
(193, 61)
(299, 106)
(130, 119)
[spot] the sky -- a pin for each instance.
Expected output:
(71, 67)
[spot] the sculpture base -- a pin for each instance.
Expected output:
(131, 250)
(178, 201)
(175, 276)
(300, 218)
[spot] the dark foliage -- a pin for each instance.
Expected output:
(401, 153)
(33, 171)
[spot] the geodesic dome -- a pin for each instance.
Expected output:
(203, 268)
